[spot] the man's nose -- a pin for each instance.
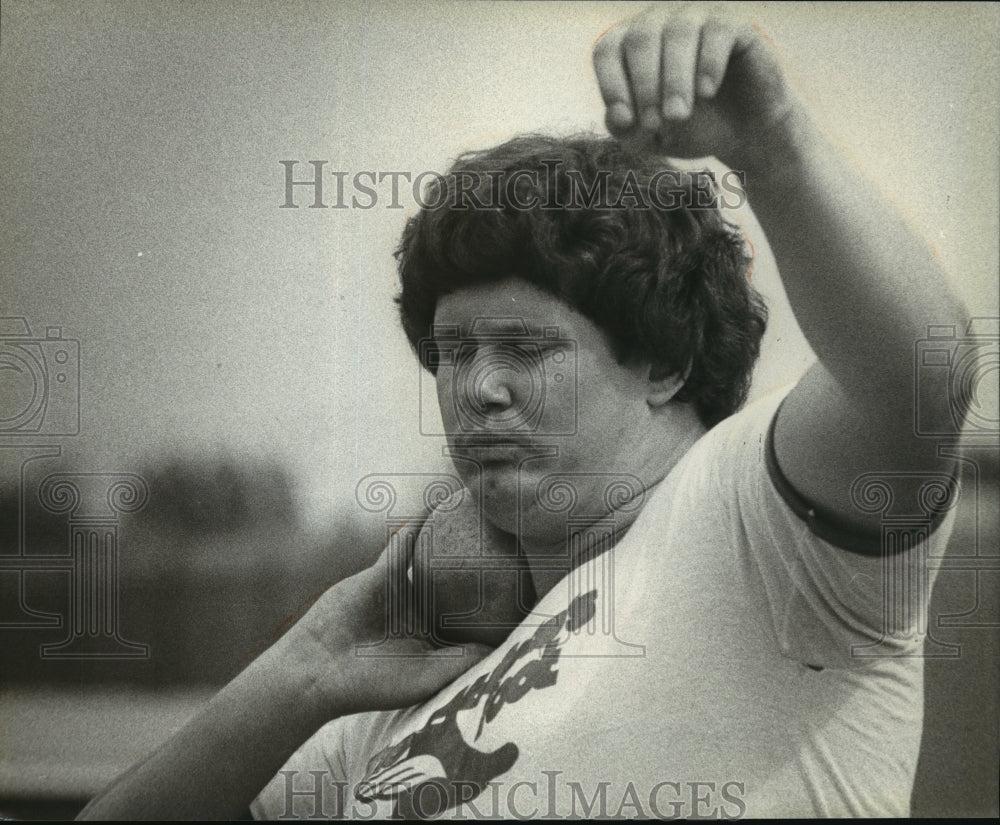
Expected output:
(492, 379)
(491, 385)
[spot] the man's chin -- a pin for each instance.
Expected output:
(525, 520)
(498, 489)
(507, 497)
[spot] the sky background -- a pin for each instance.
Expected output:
(140, 188)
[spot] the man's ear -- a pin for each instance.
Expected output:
(664, 386)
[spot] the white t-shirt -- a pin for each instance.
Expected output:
(721, 661)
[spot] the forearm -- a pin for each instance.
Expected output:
(218, 762)
(215, 766)
(862, 284)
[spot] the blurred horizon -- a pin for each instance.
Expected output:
(141, 187)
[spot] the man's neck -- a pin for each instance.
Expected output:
(551, 561)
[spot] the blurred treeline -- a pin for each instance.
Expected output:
(209, 571)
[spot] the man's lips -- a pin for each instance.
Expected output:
(487, 440)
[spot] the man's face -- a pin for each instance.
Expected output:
(537, 408)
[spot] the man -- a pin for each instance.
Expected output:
(707, 634)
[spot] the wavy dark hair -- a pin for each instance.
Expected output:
(639, 249)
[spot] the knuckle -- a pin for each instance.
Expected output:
(748, 31)
(717, 27)
(640, 39)
(604, 57)
(688, 18)
(681, 32)
(604, 48)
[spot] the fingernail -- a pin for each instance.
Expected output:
(706, 86)
(650, 118)
(675, 108)
(621, 114)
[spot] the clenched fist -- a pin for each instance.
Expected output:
(690, 83)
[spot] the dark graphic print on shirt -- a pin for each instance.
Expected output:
(439, 753)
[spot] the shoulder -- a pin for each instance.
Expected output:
(732, 456)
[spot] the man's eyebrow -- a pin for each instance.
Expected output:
(516, 327)
(502, 327)
(446, 330)
(546, 331)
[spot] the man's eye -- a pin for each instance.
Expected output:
(550, 348)
(438, 357)
(524, 349)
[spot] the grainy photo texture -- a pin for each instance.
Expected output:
(498, 410)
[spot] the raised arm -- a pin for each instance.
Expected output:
(863, 285)
(215, 766)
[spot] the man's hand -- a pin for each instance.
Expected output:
(692, 84)
(360, 645)
(214, 766)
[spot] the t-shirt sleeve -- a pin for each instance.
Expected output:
(312, 783)
(836, 599)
